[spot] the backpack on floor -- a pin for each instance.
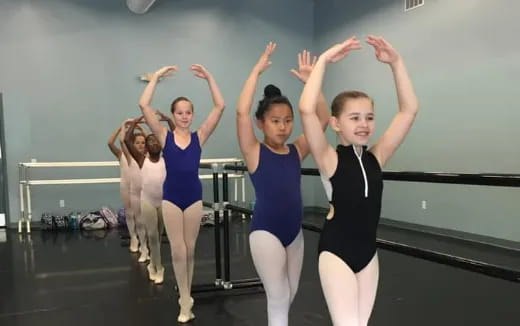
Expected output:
(61, 222)
(47, 222)
(93, 221)
(109, 215)
(121, 217)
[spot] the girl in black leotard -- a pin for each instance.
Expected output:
(348, 262)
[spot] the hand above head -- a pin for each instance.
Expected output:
(165, 71)
(200, 71)
(340, 50)
(383, 50)
(305, 66)
(263, 62)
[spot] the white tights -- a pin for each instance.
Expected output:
(279, 269)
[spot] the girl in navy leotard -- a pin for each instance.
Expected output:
(182, 191)
(276, 238)
(348, 262)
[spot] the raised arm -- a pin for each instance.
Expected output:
(166, 118)
(140, 128)
(146, 98)
(408, 105)
(208, 126)
(323, 153)
(305, 66)
(129, 142)
(249, 145)
(122, 136)
(111, 143)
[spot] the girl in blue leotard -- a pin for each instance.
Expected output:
(182, 191)
(276, 238)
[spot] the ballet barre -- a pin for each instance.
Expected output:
(25, 182)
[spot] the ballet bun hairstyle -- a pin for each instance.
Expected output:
(177, 100)
(272, 95)
(339, 101)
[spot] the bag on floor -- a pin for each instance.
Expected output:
(61, 222)
(109, 215)
(121, 217)
(46, 222)
(93, 221)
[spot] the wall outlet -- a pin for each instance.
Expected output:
(62, 203)
(33, 160)
(423, 204)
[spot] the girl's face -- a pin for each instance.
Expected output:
(277, 124)
(355, 124)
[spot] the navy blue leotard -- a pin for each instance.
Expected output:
(182, 186)
(278, 207)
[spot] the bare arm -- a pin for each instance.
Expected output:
(249, 145)
(166, 118)
(305, 67)
(141, 129)
(111, 143)
(138, 156)
(323, 153)
(400, 125)
(208, 126)
(144, 103)
(122, 136)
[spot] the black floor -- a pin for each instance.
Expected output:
(90, 279)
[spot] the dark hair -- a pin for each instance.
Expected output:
(339, 101)
(177, 100)
(272, 95)
(134, 136)
(148, 137)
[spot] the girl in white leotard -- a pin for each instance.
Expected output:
(137, 142)
(153, 173)
(124, 187)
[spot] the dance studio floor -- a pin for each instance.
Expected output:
(91, 279)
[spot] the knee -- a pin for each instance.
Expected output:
(178, 251)
(190, 249)
(140, 223)
(153, 237)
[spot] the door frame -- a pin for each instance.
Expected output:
(3, 171)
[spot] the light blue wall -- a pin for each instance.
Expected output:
(464, 63)
(68, 72)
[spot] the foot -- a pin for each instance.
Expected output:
(152, 273)
(144, 257)
(185, 314)
(134, 244)
(185, 318)
(159, 276)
